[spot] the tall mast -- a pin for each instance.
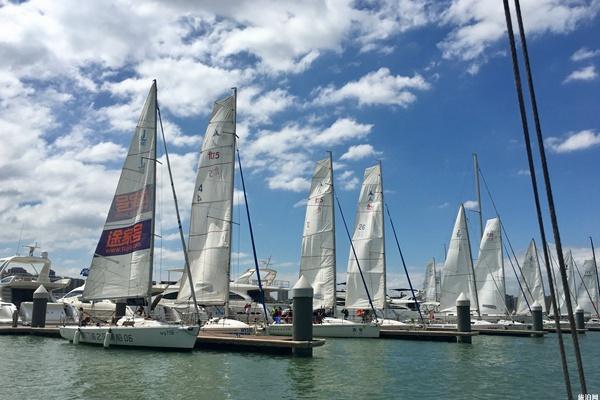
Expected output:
(154, 160)
(333, 305)
(383, 235)
(476, 168)
(232, 179)
(472, 266)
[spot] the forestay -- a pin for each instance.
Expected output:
(531, 281)
(368, 241)
(122, 263)
(429, 284)
(209, 244)
(317, 262)
(489, 271)
(457, 274)
(588, 288)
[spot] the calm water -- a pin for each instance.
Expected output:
(490, 368)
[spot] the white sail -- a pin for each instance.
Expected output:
(209, 244)
(589, 288)
(429, 284)
(457, 274)
(489, 271)
(122, 263)
(368, 241)
(317, 262)
(531, 282)
(570, 266)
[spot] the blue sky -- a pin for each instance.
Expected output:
(419, 84)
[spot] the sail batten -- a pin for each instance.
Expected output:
(457, 275)
(122, 263)
(368, 241)
(209, 242)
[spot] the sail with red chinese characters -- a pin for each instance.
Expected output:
(122, 263)
(368, 241)
(209, 244)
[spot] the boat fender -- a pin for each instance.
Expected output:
(76, 336)
(107, 339)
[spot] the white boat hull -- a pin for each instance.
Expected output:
(330, 330)
(159, 336)
(226, 325)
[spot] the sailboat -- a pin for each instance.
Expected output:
(318, 260)
(458, 272)
(122, 264)
(209, 242)
(430, 287)
(589, 297)
(572, 289)
(489, 272)
(531, 279)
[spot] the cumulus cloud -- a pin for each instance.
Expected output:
(471, 205)
(588, 73)
(584, 54)
(378, 87)
(574, 141)
(359, 152)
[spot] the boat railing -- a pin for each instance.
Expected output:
(21, 277)
(277, 283)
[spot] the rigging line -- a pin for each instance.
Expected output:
(489, 192)
(387, 208)
(527, 140)
(549, 195)
(585, 287)
(183, 245)
(260, 287)
(362, 277)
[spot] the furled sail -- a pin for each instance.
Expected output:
(209, 244)
(317, 262)
(368, 241)
(457, 274)
(531, 281)
(489, 271)
(122, 263)
(589, 288)
(430, 284)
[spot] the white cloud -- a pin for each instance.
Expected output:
(359, 152)
(524, 172)
(347, 180)
(258, 106)
(584, 54)
(479, 24)
(378, 87)
(300, 203)
(588, 73)
(574, 141)
(471, 205)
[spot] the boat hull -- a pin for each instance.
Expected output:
(330, 330)
(164, 337)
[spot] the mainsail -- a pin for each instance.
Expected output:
(531, 282)
(457, 274)
(589, 288)
(489, 271)
(317, 262)
(209, 244)
(122, 263)
(368, 241)
(430, 284)
(570, 269)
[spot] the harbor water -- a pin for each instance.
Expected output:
(490, 368)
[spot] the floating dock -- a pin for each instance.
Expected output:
(450, 336)
(566, 330)
(254, 343)
(480, 331)
(244, 343)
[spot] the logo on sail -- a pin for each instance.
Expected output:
(128, 205)
(115, 242)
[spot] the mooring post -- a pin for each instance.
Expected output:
(302, 309)
(15, 318)
(579, 318)
(40, 304)
(536, 314)
(463, 318)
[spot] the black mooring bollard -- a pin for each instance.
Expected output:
(40, 305)
(463, 318)
(302, 328)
